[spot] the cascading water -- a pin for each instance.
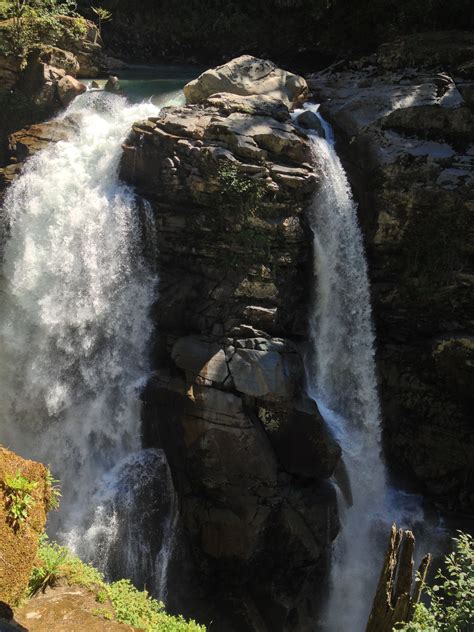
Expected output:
(341, 379)
(75, 326)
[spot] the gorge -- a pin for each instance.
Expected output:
(187, 335)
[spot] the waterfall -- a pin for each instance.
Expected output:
(342, 380)
(75, 327)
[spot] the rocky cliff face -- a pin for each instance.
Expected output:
(404, 121)
(228, 179)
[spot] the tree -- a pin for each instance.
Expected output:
(103, 15)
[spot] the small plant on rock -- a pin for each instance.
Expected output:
(53, 492)
(103, 15)
(47, 572)
(19, 501)
(240, 193)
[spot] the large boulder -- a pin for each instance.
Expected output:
(34, 138)
(46, 66)
(69, 88)
(19, 539)
(247, 75)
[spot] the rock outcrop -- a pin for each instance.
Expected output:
(228, 180)
(19, 536)
(406, 136)
(247, 75)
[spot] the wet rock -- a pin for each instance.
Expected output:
(113, 85)
(34, 138)
(69, 88)
(309, 120)
(300, 439)
(247, 75)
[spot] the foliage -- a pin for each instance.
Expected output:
(137, 608)
(19, 501)
(47, 570)
(130, 605)
(53, 491)
(29, 22)
(209, 30)
(103, 15)
(240, 194)
(451, 598)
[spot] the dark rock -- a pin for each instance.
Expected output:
(300, 439)
(309, 120)
(113, 85)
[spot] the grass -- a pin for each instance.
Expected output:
(130, 605)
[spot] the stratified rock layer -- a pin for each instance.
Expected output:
(228, 180)
(407, 139)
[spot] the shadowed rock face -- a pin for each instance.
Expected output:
(406, 136)
(228, 180)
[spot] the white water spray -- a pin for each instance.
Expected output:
(341, 378)
(74, 318)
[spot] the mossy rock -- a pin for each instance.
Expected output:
(19, 543)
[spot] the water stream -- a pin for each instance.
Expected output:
(342, 380)
(75, 331)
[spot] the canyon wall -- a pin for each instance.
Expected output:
(404, 122)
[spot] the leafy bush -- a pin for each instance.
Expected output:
(19, 501)
(48, 571)
(29, 22)
(451, 598)
(130, 605)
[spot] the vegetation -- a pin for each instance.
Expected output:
(451, 598)
(129, 604)
(30, 22)
(53, 491)
(208, 30)
(19, 501)
(240, 194)
(102, 15)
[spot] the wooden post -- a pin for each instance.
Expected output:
(396, 597)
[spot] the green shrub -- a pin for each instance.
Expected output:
(19, 501)
(47, 571)
(32, 21)
(451, 598)
(130, 605)
(137, 608)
